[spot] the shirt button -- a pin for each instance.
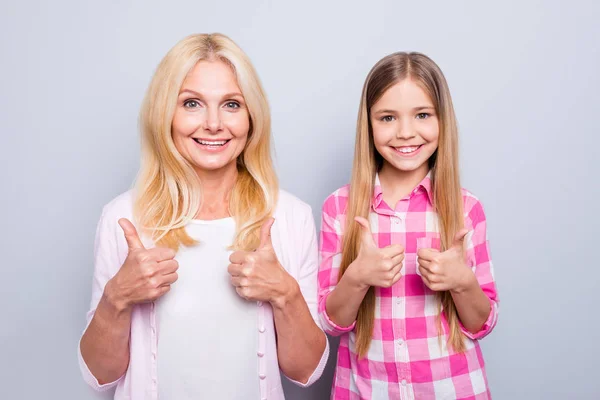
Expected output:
(400, 342)
(262, 376)
(396, 219)
(260, 353)
(259, 303)
(261, 329)
(403, 382)
(398, 300)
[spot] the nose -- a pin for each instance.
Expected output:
(405, 129)
(213, 123)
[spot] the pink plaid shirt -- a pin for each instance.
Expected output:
(405, 359)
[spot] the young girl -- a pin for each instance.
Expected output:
(406, 276)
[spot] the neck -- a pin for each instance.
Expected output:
(216, 191)
(397, 184)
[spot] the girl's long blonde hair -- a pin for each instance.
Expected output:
(168, 193)
(447, 196)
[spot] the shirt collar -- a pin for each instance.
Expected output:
(424, 185)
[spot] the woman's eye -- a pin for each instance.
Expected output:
(191, 104)
(422, 115)
(232, 104)
(387, 118)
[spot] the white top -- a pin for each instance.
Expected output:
(207, 333)
(295, 242)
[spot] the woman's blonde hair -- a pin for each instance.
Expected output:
(168, 192)
(447, 197)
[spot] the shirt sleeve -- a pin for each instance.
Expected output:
(307, 280)
(330, 255)
(106, 261)
(480, 261)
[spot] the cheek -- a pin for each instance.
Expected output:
(431, 131)
(184, 125)
(382, 134)
(239, 126)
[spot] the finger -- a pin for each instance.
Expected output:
(235, 280)
(161, 291)
(169, 279)
(459, 238)
(265, 234)
(162, 253)
(235, 269)
(397, 277)
(426, 281)
(424, 263)
(238, 257)
(242, 292)
(427, 254)
(168, 266)
(367, 236)
(131, 235)
(393, 250)
(398, 259)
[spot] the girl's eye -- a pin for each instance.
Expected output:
(423, 115)
(232, 104)
(191, 104)
(387, 118)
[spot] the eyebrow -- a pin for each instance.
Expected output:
(194, 93)
(420, 108)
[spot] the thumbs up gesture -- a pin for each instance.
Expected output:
(146, 274)
(374, 266)
(446, 270)
(258, 275)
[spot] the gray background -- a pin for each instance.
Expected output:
(524, 76)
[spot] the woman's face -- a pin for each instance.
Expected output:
(211, 122)
(405, 127)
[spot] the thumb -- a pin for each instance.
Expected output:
(265, 233)
(459, 238)
(131, 235)
(367, 236)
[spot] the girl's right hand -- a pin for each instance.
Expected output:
(145, 275)
(375, 266)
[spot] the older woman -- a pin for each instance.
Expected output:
(205, 273)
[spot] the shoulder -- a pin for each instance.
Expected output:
(335, 204)
(119, 207)
(473, 209)
(289, 205)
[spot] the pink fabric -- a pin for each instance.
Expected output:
(406, 359)
(294, 239)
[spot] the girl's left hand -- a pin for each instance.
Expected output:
(258, 275)
(446, 270)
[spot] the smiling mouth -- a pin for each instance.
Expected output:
(212, 143)
(408, 149)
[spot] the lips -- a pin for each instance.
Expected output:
(407, 151)
(211, 143)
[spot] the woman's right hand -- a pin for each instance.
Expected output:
(374, 266)
(146, 274)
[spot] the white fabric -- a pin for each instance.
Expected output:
(206, 333)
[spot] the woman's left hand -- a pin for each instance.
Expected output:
(258, 275)
(446, 270)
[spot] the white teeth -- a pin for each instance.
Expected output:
(406, 150)
(211, 143)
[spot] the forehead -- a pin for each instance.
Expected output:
(405, 94)
(213, 76)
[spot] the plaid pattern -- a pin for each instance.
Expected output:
(406, 359)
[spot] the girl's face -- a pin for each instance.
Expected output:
(211, 122)
(405, 127)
